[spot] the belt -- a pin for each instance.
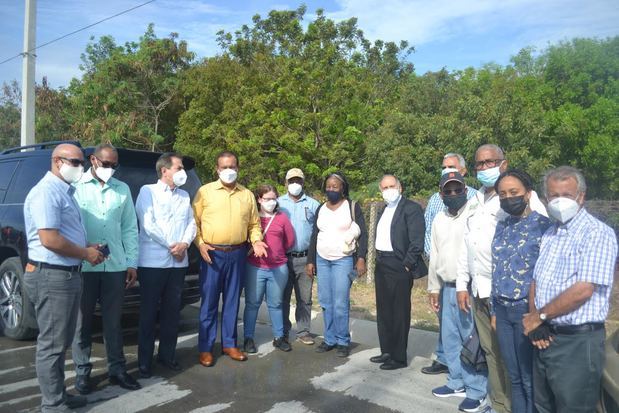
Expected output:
(581, 328)
(227, 248)
(297, 254)
(449, 284)
(385, 253)
(69, 268)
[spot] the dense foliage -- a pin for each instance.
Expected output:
(322, 97)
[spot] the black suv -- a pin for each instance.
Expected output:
(20, 169)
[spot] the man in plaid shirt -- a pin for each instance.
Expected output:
(571, 288)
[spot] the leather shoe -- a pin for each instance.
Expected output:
(144, 372)
(75, 402)
(235, 354)
(435, 368)
(83, 384)
(392, 365)
(206, 359)
(383, 358)
(125, 381)
(172, 365)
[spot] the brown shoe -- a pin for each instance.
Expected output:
(235, 354)
(206, 359)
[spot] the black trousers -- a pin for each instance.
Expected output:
(160, 291)
(393, 306)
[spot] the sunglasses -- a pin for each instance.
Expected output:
(448, 192)
(73, 161)
(105, 164)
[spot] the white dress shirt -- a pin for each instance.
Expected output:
(165, 218)
(475, 260)
(383, 229)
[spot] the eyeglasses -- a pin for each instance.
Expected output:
(105, 164)
(488, 163)
(448, 192)
(73, 161)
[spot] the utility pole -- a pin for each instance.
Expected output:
(28, 68)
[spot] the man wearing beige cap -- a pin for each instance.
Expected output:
(301, 210)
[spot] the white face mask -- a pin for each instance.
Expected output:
(563, 209)
(228, 175)
(104, 174)
(295, 189)
(269, 206)
(179, 178)
(71, 174)
(391, 195)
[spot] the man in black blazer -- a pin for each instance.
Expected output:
(399, 245)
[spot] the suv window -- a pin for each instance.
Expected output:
(6, 173)
(30, 171)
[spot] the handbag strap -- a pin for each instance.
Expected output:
(268, 225)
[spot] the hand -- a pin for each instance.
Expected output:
(464, 301)
(93, 255)
(493, 322)
(541, 337)
(132, 276)
(542, 344)
(310, 270)
(178, 250)
(360, 267)
(260, 249)
(434, 303)
(204, 249)
(530, 321)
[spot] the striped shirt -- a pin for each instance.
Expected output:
(582, 250)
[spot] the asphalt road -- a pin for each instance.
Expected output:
(300, 381)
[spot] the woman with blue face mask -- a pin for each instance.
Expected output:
(515, 249)
(337, 255)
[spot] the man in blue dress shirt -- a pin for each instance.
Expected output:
(56, 248)
(301, 210)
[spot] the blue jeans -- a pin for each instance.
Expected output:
(456, 326)
(334, 280)
(517, 353)
(259, 281)
(440, 354)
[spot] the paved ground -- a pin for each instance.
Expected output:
(271, 381)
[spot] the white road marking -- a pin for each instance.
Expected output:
(11, 350)
(213, 408)
(289, 407)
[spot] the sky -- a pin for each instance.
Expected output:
(451, 34)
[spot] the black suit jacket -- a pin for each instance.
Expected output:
(407, 235)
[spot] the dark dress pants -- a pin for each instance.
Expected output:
(393, 306)
(160, 291)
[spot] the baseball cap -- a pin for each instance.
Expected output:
(451, 176)
(295, 173)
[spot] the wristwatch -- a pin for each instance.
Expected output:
(543, 317)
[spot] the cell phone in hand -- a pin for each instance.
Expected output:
(105, 250)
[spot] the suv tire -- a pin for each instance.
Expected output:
(16, 309)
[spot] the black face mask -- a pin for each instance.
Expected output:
(455, 202)
(333, 196)
(514, 205)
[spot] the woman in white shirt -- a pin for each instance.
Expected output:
(336, 254)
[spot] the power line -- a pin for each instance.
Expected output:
(77, 31)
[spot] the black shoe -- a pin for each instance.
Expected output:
(83, 384)
(383, 358)
(342, 351)
(172, 365)
(75, 402)
(392, 365)
(249, 346)
(281, 344)
(145, 372)
(435, 368)
(324, 347)
(125, 381)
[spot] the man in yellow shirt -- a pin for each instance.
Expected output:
(227, 218)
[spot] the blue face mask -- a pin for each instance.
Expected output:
(489, 176)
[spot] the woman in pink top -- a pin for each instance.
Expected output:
(268, 274)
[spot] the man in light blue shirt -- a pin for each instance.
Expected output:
(52, 280)
(301, 210)
(109, 218)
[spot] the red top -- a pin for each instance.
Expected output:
(279, 238)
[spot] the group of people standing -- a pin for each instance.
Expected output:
(535, 291)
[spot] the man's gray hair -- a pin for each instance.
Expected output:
(102, 146)
(165, 161)
(461, 160)
(397, 181)
(492, 147)
(563, 173)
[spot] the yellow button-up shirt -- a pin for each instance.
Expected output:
(226, 217)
